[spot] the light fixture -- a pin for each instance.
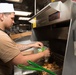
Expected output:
(24, 18)
(19, 1)
(22, 13)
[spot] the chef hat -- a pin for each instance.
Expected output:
(6, 8)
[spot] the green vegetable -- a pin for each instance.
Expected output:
(42, 49)
(28, 67)
(40, 67)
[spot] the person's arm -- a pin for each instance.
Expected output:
(26, 46)
(20, 59)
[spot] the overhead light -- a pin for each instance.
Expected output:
(20, 1)
(22, 13)
(24, 18)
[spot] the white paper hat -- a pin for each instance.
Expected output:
(6, 8)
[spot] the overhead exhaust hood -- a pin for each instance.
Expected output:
(53, 13)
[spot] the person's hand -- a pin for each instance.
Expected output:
(46, 53)
(38, 44)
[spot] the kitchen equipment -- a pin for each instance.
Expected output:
(54, 27)
(56, 35)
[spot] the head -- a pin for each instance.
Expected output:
(6, 15)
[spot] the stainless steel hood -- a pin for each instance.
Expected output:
(53, 13)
